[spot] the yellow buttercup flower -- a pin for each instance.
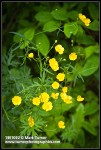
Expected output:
(63, 95)
(65, 89)
(87, 21)
(54, 64)
(79, 98)
(31, 121)
(47, 106)
(59, 49)
(60, 76)
(55, 85)
(36, 101)
(66, 98)
(61, 124)
(30, 55)
(73, 56)
(44, 97)
(16, 100)
(84, 19)
(55, 95)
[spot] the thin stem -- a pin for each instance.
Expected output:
(6, 113)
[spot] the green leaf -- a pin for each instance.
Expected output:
(85, 39)
(29, 34)
(24, 44)
(90, 66)
(51, 129)
(19, 34)
(80, 31)
(14, 73)
(94, 10)
(70, 28)
(59, 14)
(94, 25)
(90, 50)
(26, 33)
(43, 16)
(91, 108)
(78, 117)
(70, 133)
(73, 15)
(94, 119)
(81, 138)
(42, 44)
(89, 127)
(51, 26)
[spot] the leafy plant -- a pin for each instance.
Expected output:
(50, 59)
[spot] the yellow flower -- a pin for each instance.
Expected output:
(61, 124)
(59, 49)
(44, 97)
(79, 98)
(36, 101)
(82, 17)
(87, 21)
(30, 55)
(73, 56)
(65, 89)
(54, 64)
(31, 121)
(63, 96)
(16, 100)
(55, 85)
(66, 98)
(55, 95)
(60, 76)
(47, 106)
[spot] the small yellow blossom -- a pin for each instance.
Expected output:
(66, 98)
(84, 19)
(79, 98)
(73, 56)
(31, 121)
(87, 22)
(55, 95)
(54, 64)
(36, 101)
(44, 97)
(30, 55)
(61, 124)
(47, 106)
(60, 76)
(65, 89)
(16, 100)
(63, 95)
(55, 85)
(59, 49)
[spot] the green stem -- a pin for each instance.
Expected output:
(40, 64)
(6, 113)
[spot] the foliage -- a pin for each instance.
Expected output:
(37, 28)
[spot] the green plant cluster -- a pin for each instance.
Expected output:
(37, 27)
